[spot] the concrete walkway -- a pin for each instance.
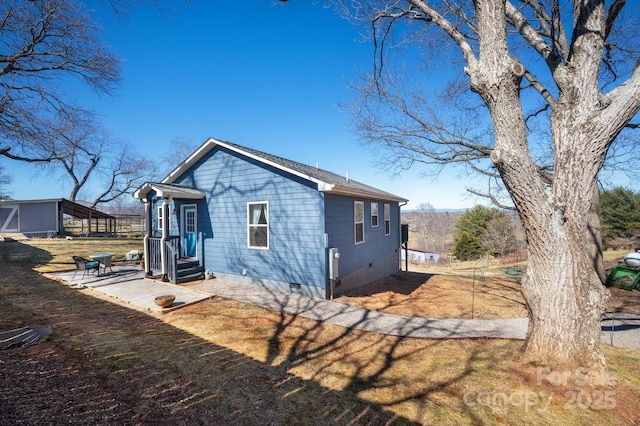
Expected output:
(364, 319)
(129, 284)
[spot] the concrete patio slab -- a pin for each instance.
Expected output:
(129, 284)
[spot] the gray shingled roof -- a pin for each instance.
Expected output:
(331, 182)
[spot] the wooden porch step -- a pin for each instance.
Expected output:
(187, 264)
(189, 271)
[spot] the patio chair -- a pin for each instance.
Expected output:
(106, 263)
(85, 266)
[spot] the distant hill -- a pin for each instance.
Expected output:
(439, 210)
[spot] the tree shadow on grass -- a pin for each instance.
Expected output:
(14, 253)
(106, 364)
(403, 283)
(399, 373)
(440, 296)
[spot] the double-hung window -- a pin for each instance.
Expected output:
(258, 225)
(160, 217)
(387, 219)
(374, 215)
(358, 221)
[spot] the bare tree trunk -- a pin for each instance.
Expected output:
(558, 208)
(593, 235)
(564, 294)
(565, 299)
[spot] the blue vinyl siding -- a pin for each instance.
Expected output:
(339, 225)
(296, 227)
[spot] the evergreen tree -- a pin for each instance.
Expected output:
(470, 229)
(467, 246)
(620, 209)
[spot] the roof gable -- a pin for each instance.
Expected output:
(165, 190)
(327, 181)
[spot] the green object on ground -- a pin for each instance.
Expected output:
(623, 277)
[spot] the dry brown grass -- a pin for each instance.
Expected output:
(225, 362)
(442, 296)
(61, 250)
(460, 290)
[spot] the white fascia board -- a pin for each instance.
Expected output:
(142, 192)
(276, 165)
(179, 194)
(191, 160)
(351, 192)
(322, 185)
(161, 192)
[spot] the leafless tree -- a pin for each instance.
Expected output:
(79, 146)
(500, 236)
(43, 43)
(125, 171)
(125, 206)
(5, 180)
(556, 82)
(179, 150)
(433, 227)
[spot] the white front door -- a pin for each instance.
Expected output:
(189, 230)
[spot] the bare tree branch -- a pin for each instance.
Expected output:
(547, 159)
(43, 43)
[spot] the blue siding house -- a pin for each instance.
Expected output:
(248, 216)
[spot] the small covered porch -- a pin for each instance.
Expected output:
(172, 243)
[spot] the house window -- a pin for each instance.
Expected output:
(258, 225)
(160, 217)
(387, 219)
(358, 220)
(374, 215)
(190, 221)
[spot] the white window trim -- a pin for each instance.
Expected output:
(183, 217)
(160, 216)
(387, 219)
(376, 215)
(249, 225)
(183, 223)
(356, 222)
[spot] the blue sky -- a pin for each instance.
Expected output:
(268, 76)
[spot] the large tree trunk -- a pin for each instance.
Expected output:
(593, 235)
(564, 293)
(565, 298)
(563, 290)
(563, 286)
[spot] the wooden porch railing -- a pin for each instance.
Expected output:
(155, 255)
(172, 263)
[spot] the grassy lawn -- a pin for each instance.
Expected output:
(57, 253)
(225, 362)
